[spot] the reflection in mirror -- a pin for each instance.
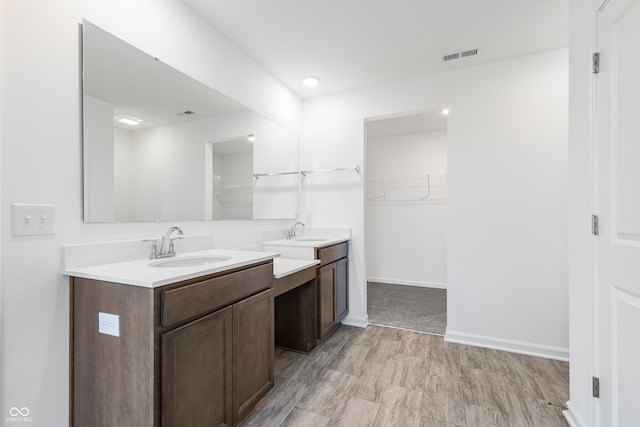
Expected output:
(231, 186)
(160, 146)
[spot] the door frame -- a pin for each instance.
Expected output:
(365, 122)
(594, 206)
(595, 350)
(583, 203)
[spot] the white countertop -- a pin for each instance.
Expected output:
(285, 266)
(303, 247)
(312, 237)
(308, 241)
(139, 273)
(125, 262)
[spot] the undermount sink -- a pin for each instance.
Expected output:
(189, 261)
(310, 239)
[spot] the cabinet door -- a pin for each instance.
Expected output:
(197, 372)
(253, 348)
(326, 300)
(342, 288)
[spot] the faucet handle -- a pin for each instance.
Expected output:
(154, 248)
(171, 239)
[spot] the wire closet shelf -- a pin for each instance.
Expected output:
(239, 195)
(429, 188)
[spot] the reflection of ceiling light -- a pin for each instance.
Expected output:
(445, 111)
(311, 81)
(251, 138)
(128, 120)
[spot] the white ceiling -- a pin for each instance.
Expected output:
(430, 121)
(357, 43)
(139, 85)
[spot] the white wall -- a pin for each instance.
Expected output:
(168, 159)
(99, 174)
(237, 170)
(507, 190)
(406, 237)
(123, 169)
(41, 163)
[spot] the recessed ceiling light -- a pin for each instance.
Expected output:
(251, 138)
(311, 81)
(445, 111)
(128, 120)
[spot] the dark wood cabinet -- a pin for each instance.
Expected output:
(253, 347)
(333, 284)
(112, 378)
(342, 288)
(217, 368)
(190, 354)
(326, 296)
(197, 372)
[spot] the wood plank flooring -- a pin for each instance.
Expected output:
(379, 376)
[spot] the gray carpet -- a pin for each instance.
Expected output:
(407, 307)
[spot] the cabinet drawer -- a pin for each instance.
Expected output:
(197, 299)
(332, 253)
(292, 281)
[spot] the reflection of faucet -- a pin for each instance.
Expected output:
(166, 247)
(292, 231)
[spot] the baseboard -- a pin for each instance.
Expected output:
(573, 417)
(360, 322)
(529, 349)
(390, 281)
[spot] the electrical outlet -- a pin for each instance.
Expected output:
(32, 220)
(109, 324)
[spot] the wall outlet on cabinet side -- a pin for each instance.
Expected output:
(109, 324)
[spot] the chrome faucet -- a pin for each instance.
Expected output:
(166, 247)
(292, 231)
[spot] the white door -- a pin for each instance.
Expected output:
(617, 161)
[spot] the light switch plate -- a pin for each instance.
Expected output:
(109, 324)
(32, 220)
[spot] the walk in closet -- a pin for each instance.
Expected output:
(406, 211)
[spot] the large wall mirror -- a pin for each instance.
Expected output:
(161, 146)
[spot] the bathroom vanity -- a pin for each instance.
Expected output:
(194, 351)
(189, 339)
(331, 251)
(311, 303)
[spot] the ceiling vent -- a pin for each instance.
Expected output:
(452, 56)
(470, 52)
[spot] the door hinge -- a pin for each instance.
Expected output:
(595, 62)
(595, 386)
(594, 225)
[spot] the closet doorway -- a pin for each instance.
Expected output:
(406, 213)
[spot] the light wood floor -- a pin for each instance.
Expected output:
(382, 376)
